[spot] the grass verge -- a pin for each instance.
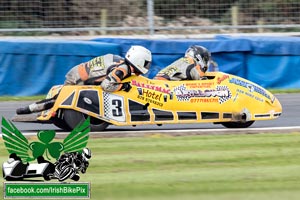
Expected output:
(223, 167)
(25, 98)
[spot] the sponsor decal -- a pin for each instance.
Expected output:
(200, 85)
(150, 87)
(250, 94)
(205, 100)
(222, 93)
(151, 96)
(97, 63)
(251, 87)
(223, 78)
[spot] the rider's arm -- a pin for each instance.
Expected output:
(113, 80)
(194, 73)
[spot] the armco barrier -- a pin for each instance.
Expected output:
(31, 67)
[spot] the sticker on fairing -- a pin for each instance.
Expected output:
(113, 107)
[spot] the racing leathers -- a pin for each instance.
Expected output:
(108, 70)
(185, 68)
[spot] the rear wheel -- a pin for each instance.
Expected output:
(73, 118)
(237, 124)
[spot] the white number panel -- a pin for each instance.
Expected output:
(113, 107)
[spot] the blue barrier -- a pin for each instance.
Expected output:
(31, 67)
(272, 62)
(229, 54)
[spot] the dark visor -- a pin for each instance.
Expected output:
(147, 64)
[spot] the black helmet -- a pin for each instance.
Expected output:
(200, 54)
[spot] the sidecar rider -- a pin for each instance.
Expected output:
(192, 66)
(108, 71)
(70, 164)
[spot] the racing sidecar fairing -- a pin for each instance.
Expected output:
(222, 98)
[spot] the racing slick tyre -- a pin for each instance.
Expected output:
(60, 123)
(73, 118)
(237, 124)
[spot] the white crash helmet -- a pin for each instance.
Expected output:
(140, 58)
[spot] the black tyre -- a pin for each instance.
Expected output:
(47, 177)
(66, 173)
(237, 124)
(73, 118)
(60, 123)
(75, 177)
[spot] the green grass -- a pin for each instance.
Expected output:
(22, 98)
(284, 91)
(226, 167)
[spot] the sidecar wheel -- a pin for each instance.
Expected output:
(60, 123)
(237, 124)
(73, 118)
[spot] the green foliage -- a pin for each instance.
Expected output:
(273, 12)
(198, 8)
(87, 14)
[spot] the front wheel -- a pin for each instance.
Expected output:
(73, 118)
(60, 123)
(237, 124)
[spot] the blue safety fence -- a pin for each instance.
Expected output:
(31, 67)
(228, 54)
(272, 62)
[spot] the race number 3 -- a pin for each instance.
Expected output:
(117, 108)
(113, 107)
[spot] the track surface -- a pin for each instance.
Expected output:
(289, 121)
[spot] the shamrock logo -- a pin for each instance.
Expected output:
(16, 142)
(46, 146)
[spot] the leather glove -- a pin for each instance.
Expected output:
(126, 87)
